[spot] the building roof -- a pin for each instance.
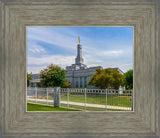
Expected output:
(118, 70)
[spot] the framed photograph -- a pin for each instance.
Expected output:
(22, 25)
(89, 72)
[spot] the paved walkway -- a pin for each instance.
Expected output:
(82, 104)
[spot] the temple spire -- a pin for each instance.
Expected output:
(79, 59)
(79, 38)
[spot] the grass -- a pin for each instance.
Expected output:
(113, 100)
(36, 107)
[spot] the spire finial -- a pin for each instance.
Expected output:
(79, 38)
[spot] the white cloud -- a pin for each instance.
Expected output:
(35, 64)
(35, 49)
(52, 37)
(111, 53)
(55, 59)
(101, 53)
(34, 69)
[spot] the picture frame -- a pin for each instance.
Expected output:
(143, 16)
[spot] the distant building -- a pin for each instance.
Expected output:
(120, 71)
(35, 79)
(78, 74)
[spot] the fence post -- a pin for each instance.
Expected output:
(68, 97)
(52, 91)
(47, 95)
(36, 93)
(132, 100)
(28, 91)
(59, 96)
(106, 98)
(56, 96)
(85, 99)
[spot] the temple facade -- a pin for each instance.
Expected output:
(79, 74)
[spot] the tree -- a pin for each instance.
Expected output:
(53, 76)
(29, 77)
(38, 84)
(128, 81)
(107, 78)
(67, 84)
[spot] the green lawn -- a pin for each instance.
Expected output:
(36, 107)
(113, 100)
(100, 99)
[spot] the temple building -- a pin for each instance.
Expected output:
(79, 74)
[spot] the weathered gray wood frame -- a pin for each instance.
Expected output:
(142, 122)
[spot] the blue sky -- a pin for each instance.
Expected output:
(101, 46)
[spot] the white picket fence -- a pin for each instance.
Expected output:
(84, 99)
